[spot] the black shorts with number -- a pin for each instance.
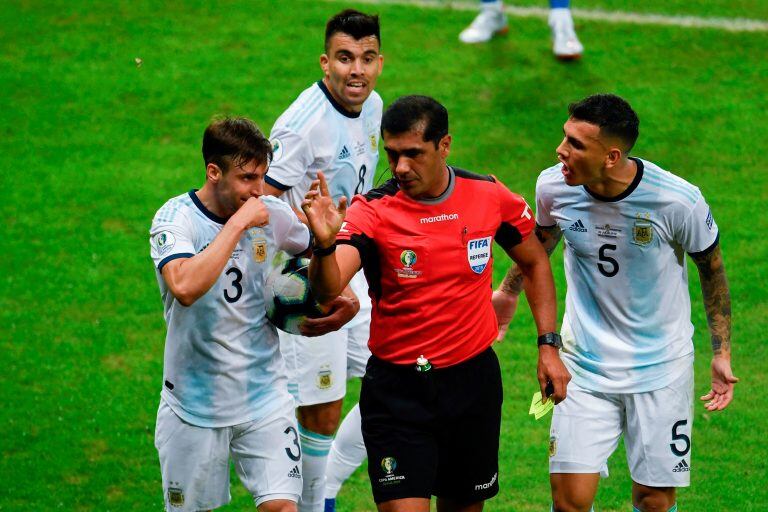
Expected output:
(433, 433)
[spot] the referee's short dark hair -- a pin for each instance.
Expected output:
(611, 113)
(409, 112)
(355, 23)
(235, 141)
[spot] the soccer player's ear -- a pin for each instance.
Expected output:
(213, 173)
(325, 64)
(613, 157)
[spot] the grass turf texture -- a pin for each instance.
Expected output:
(96, 144)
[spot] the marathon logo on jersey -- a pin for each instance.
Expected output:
(681, 467)
(277, 150)
(439, 218)
(344, 153)
(388, 466)
(479, 253)
(408, 258)
(487, 485)
(578, 226)
(164, 242)
(607, 231)
(642, 231)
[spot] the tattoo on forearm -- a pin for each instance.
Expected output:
(549, 237)
(717, 299)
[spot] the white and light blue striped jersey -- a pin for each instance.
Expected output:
(222, 363)
(627, 326)
(316, 134)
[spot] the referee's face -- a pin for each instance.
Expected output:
(418, 166)
(351, 68)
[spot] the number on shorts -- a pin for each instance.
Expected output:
(680, 437)
(288, 451)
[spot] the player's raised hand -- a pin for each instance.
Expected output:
(723, 382)
(552, 374)
(323, 216)
(253, 213)
(505, 306)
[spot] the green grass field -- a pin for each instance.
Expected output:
(95, 144)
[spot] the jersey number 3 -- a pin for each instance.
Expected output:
(238, 276)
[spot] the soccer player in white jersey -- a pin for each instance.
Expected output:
(224, 390)
(332, 126)
(626, 333)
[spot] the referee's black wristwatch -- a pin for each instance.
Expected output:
(550, 338)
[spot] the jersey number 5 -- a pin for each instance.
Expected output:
(608, 266)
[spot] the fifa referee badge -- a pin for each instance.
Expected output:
(423, 364)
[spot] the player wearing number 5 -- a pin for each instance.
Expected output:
(333, 126)
(626, 333)
(224, 386)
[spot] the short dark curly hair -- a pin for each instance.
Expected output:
(611, 113)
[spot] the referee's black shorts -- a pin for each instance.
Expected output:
(433, 433)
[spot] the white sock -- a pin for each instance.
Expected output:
(347, 453)
(560, 16)
(314, 455)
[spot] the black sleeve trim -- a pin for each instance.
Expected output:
(707, 250)
(275, 183)
(172, 257)
(463, 173)
(369, 255)
(507, 236)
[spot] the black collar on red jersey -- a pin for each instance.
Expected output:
(341, 110)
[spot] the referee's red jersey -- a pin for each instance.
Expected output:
(429, 265)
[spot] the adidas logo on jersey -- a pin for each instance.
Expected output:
(344, 153)
(681, 467)
(578, 226)
(294, 473)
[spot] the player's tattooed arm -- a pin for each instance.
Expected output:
(717, 299)
(717, 303)
(549, 236)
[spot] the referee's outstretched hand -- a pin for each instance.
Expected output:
(552, 374)
(323, 216)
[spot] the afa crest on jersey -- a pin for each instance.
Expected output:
(642, 231)
(479, 253)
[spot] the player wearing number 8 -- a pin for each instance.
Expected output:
(333, 126)
(224, 385)
(626, 333)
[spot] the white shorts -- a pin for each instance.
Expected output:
(194, 461)
(656, 425)
(318, 368)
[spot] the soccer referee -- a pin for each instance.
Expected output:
(432, 390)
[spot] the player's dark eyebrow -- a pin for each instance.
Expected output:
(409, 152)
(573, 141)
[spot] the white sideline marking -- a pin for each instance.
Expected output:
(727, 24)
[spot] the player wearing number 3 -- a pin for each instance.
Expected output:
(626, 333)
(224, 386)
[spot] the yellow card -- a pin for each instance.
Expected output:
(538, 408)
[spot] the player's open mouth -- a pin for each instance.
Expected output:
(356, 85)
